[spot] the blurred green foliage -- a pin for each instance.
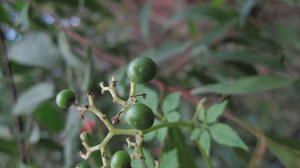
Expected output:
(248, 50)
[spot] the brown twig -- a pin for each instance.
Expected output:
(14, 96)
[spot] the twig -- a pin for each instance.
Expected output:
(14, 96)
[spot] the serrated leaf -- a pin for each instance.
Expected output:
(171, 102)
(66, 52)
(195, 133)
(204, 141)
(169, 159)
(145, 18)
(245, 85)
(215, 111)
(32, 97)
(35, 49)
(151, 97)
(225, 135)
(173, 116)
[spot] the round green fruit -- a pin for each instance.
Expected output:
(120, 159)
(83, 164)
(65, 98)
(139, 116)
(141, 70)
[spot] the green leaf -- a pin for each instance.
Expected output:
(88, 72)
(145, 18)
(66, 52)
(4, 17)
(195, 133)
(177, 140)
(245, 85)
(245, 10)
(170, 102)
(173, 116)
(288, 156)
(71, 141)
(215, 111)
(285, 148)
(151, 97)
(148, 157)
(214, 34)
(23, 18)
(31, 98)
(161, 134)
(204, 141)
(48, 116)
(243, 56)
(202, 114)
(169, 159)
(8, 146)
(35, 49)
(225, 135)
(167, 50)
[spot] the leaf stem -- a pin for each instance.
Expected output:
(169, 124)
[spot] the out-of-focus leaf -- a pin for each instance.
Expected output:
(71, 137)
(204, 12)
(214, 111)
(8, 146)
(151, 97)
(66, 52)
(145, 18)
(93, 5)
(244, 57)
(31, 98)
(245, 10)
(23, 18)
(169, 159)
(178, 141)
(286, 149)
(35, 49)
(47, 115)
(173, 116)
(4, 15)
(34, 136)
(171, 102)
(148, 157)
(166, 50)
(204, 141)
(245, 85)
(88, 73)
(214, 34)
(225, 135)
(161, 134)
(195, 133)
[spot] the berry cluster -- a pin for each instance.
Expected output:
(139, 116)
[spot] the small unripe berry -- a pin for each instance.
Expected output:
(65, 98)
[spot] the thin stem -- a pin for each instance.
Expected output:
(138, 149)
(206, 158)
(132, 89)
(112, 90)
(170, 124)
(102, 117)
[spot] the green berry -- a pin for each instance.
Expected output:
(141, 70)
(120, 159)
(65, 98)
(83, 164)
(139, 116)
